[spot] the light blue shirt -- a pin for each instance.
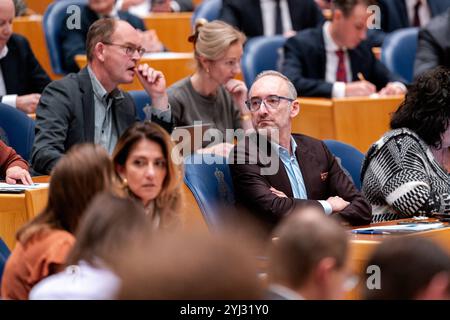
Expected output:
(295, 175)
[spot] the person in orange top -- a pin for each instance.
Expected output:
(12, 166)
(44, 242)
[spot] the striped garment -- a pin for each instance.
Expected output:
(401, 178)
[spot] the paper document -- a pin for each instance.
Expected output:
(399, 228)
(5, 187)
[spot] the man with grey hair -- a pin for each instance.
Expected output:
(309, 174)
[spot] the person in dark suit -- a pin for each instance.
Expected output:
(296, 170)
(258, 18)
(397, 14)
(22, 78)
(88, 106)
(73, 40)
(433, 48)
(307, 258)
(334, 61)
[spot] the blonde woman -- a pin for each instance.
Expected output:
(212, 94)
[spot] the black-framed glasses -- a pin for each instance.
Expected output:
(129, 50)
(272, 101)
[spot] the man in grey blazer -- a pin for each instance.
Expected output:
(88, 106)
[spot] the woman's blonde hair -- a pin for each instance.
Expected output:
(212, 39)
(169, 200)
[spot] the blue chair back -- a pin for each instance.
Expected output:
(18, 129)
(208, 9)
(351, 159)
(141, 99)
(260, 54)
(53, 21)
(209, 179)
(4, 254)
(399, 52)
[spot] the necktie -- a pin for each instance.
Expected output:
(416, 19)
(278, 22)
(341, 73)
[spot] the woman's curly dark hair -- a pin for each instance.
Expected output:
(426, 108)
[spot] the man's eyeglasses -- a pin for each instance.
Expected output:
(272, 101)
(129, 50)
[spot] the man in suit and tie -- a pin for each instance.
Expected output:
(88, 106)
(73, 41)
(398, 14)
(335, 61)
(308, 258)
(270, 17)
(302, 169)
(22, 78)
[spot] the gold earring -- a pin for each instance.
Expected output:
(124, 182)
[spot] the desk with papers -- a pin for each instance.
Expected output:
(362, 245)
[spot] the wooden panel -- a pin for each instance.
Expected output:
(362, 121)
(173, 29)
(315, 118)
(175, 66)
(31, 28)
(358, 121)
(17, 209)
(38, 6)
(13, 214)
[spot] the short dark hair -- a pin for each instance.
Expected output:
(407, 265)
(346, 6)
(426, 108)
(303, 240)
(100, 31)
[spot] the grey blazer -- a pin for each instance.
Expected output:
(65, 116)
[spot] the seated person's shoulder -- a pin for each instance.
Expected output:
(398, 140)
(313, 144)
(180, 90)
(18, 41)
(439, 22)
(306, 37)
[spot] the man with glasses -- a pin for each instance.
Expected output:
(88, 106)
(307, 174)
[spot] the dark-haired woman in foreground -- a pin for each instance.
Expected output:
(406, 172)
